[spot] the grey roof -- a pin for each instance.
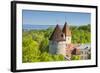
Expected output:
(84, 46)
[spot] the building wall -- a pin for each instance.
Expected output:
(84, 54)
(68, 40)
(68, 53)
(57, 47)
(61, 48)
(52, 47)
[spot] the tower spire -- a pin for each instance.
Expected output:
(66, 29)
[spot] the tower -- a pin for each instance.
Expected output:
(57, 44)
(66, 30)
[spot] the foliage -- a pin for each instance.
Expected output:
(81, 34)
(30, 51)
(58, 57)
(75, 57)
(35, 43)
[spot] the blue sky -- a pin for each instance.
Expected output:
(52, 18)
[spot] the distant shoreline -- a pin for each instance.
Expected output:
(37, 27)
(40, 27)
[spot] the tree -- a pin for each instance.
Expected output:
(46, 57)
(31, 51)
(58, 58)
(81, 34)
(44, 46)
(75, 57)
(35, 43)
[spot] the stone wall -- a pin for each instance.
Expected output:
(61, 48)
(57, 47)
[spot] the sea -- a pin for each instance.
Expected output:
(28, 27)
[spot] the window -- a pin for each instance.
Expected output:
(81, 52)
(61, 35)
(81, 57)
(85, 52)
(85, 57)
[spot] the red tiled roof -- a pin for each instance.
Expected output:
(73, 49)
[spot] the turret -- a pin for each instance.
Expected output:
(66, 30)
(57, 43)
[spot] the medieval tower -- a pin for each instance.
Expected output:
(67, 32)
(59, 40)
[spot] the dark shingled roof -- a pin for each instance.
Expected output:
(66, 30)
(57, 34)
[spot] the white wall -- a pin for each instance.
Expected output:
(5, 37)
(68, 39)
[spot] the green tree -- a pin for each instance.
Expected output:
(44, 46)
(75, 57)
(58, 58)
(46, 57)
(31, 51)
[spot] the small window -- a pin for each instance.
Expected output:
(81, 57)
(85, 52)
(81, 52)
(61, 35)
(85, 57)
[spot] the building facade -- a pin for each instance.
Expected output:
(85, 51)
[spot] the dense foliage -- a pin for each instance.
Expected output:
(35, 43)
(81, 34)
(75, 57)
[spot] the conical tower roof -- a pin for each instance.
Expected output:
(57, 34)
(66, 30)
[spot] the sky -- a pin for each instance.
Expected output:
(33, 17)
